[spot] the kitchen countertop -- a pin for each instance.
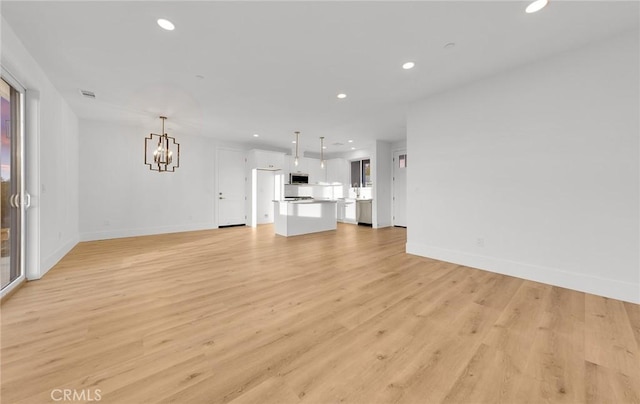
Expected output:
(301, 201)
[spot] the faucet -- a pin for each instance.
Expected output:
(356, 188)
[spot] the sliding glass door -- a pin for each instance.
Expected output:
(13, 200)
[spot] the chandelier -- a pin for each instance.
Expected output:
(159, 151)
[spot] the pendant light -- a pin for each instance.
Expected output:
(321, 151)
(295, 160)
(163, 151)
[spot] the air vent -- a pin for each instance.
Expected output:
(337, 144)
(88, 94)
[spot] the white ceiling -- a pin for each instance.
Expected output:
(275, 67)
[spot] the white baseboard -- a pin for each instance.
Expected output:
(49, 262)
(148, 231)
(625, 291)
(347, 221)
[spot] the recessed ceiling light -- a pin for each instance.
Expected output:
(166, 24)
(293, 141)
(536, 6)
(450, 45)
(350, 141)
(324, 147)
(255, 135)
(408, 65)
(353, 148)
(342, 96)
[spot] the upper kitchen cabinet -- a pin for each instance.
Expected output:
(337, 171)
(316, 173)
(300, 168)
(267, 160)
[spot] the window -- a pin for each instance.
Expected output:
(361, 173)
(402, 161)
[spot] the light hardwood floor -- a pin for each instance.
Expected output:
(241, 315)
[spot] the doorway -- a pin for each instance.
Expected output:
(231, 187)
(263, 192)
(400, 188)
(13, 199)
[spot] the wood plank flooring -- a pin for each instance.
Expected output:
(240, 315)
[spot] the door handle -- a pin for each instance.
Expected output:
(27, 203)
(221, 197)
(15, 201)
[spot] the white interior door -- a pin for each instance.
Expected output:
(400, 188)
(231, 187)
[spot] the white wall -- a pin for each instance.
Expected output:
(399, 145)
(121, 197)
(534, 173)
(51, 160)
(359, 154)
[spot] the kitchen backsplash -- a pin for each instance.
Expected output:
(326, 191)
(365, 192)
(315, 191)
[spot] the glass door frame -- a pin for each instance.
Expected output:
(22, 199)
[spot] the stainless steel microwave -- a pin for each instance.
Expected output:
(298, 178)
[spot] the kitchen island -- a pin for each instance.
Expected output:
(296, 217)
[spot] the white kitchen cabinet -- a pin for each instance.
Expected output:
(337, 170)
(293, 218)
(307, 165)
(340, 210)
(348, 211)
(300, 168)
(316, 173)
(264, 159)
